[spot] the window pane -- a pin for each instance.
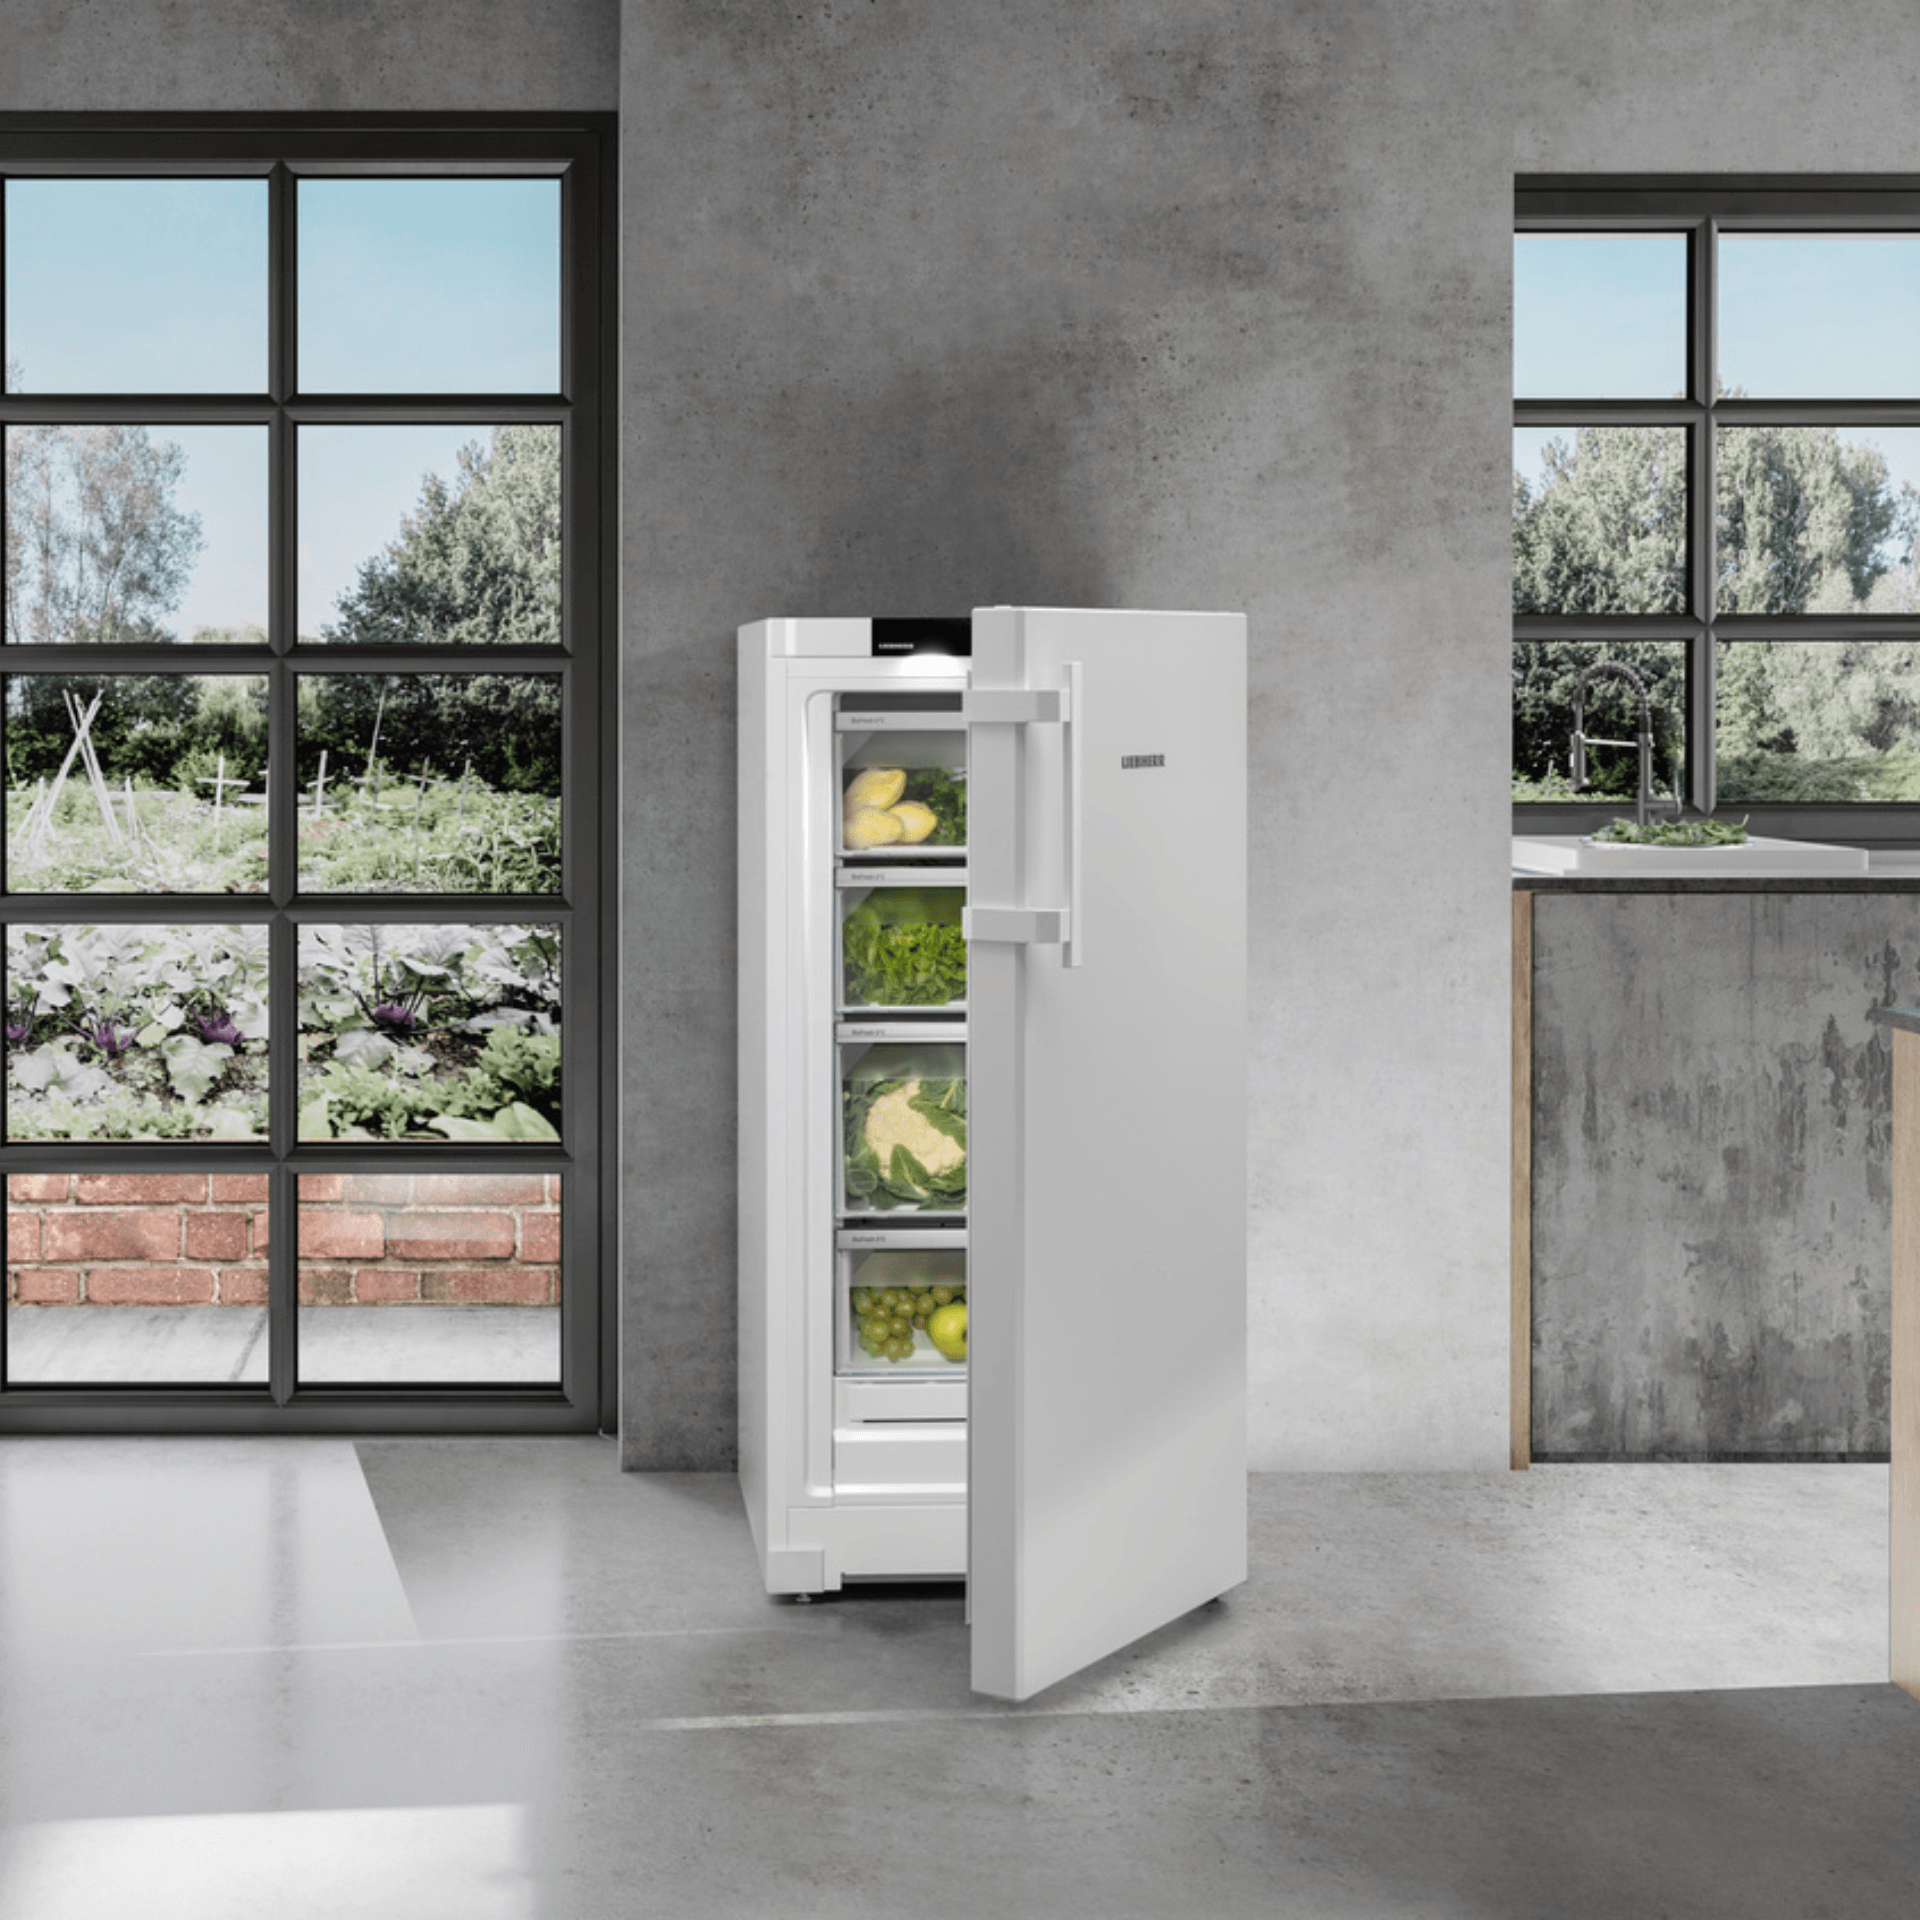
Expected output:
(136, 783)
(136, 533)
(429, 782)
(1599, 316)
(430, 1033)
(136, 1278)
(136, 1033)
(429, 286)
(1818, 519)
(444, 1277)
(1820, 316)
(415, 536)
(1546, 676)
(1600, 520)
(1818, 721)
(136, 286)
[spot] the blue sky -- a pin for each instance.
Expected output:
(449, 286)
(1826, 316)
(1599, 316)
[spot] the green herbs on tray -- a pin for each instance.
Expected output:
(906, 1128)
(903, 948)
(1673, 833)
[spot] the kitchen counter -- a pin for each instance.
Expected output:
(1877, 879)
(1889, 870)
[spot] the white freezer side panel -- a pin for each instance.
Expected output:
(756, 1076)
(788, 1099)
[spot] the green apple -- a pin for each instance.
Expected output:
(947, 1329)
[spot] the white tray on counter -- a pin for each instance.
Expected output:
(1562, 853)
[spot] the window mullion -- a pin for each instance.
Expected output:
(281, 213)
(1703, 510)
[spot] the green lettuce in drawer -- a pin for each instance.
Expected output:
(904, 948)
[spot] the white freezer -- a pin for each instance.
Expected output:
(1072, 1117)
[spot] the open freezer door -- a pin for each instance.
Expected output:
(1106, 1131)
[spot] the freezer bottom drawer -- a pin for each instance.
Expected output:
(856, 1402)
(883, 1462)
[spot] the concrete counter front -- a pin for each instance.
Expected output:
(1701, 1166)
(1904, 1590)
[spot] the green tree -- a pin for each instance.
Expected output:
(97, 549)
(1604, 528)
(156, 729)
(507, 725)
(1804, 523)
(1803, 520)
(478, 560)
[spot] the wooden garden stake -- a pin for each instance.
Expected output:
(219, 783)
(96, 778)
(371, 778)
(320, 788)
(81, 722)
(30, 833)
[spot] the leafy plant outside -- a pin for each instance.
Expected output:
(430, 1033)
(136, 1033)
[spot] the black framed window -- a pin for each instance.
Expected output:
(1717, 482)
(305, 695)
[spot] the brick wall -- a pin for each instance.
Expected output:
(464, 1239)
(201, 1239)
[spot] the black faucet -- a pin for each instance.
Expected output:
(1643, 794)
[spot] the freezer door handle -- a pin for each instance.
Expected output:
(1017, 926)
(1029, 706)
(1071, 806)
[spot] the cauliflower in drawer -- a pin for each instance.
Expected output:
(906, 1128)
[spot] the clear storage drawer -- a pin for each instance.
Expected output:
(903, 1111)
(903, 784)
(901, 946)
(901, 1311)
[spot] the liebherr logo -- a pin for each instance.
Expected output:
(1143, 760)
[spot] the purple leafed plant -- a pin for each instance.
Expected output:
(109, 1039)
(216, 1027)
(391, 1017)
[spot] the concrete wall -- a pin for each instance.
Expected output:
(1104, 305)
(1711, 1207)
(1091, 301)
(1196, 304)
(308, 56)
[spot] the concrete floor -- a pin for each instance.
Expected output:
(498, 1680)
